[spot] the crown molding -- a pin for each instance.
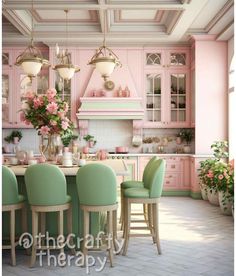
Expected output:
(219, 15)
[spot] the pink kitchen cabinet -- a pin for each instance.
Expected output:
(177, 176)
(66, 89)
(167, 88)
(15, 84)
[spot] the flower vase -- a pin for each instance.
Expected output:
(213, 196)
(225, 203)
(47, 147)
(204, 192)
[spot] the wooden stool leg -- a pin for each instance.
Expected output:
(69, 228)
(145, 212)
(121, 209)
(127, 224)
(109, 233)
(114, 226)
(43, 226)
(24, 224)
(150, 222)
(86, 231)
(12, 237)
(156, 225)
(60, 227)
(34, 233)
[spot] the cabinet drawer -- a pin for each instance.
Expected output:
(172, 180)
(174, 166)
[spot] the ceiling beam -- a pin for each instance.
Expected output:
(20, 20)
(73, 4)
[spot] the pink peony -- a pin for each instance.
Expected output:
(37, 102)
(64, 125)
(221, 176)
(52, 108)
(51, 93)
(29, 95)
(44, 130)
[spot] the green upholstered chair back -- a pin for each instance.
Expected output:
(147, 167)
(45, 185)
(96, 185)
(155, 180)
(9, 187)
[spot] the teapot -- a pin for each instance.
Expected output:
(102, 155)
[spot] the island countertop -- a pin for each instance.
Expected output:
(118, 166)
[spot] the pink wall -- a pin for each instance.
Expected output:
(211, 94)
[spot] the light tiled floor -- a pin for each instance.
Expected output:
(196, 239)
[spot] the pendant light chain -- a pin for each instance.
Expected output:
(32, 23)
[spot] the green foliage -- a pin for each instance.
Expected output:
(15, 133)
(89, 138)
(66, 139)
(216, 173)
(187, 135)
(220, 149)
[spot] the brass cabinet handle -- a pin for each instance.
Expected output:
(172, 166)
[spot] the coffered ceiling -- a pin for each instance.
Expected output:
(131, 22)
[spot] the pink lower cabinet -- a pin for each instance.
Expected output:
(177, 177)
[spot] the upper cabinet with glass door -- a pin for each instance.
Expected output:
(64, 87)
(167, 88)
(15, 84)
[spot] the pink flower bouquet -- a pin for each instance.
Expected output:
(47, 113)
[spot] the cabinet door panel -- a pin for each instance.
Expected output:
(7, 107)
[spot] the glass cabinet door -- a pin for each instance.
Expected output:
(153, 97)
(43, 81)
(178, 59)
(153, 59)
(63, 88)
(178, 97)
(6, 118)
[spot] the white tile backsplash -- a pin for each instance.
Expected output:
(111, 133)
(29, 141)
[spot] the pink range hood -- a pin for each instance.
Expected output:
(108, 105)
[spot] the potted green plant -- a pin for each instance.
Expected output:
(224, 179)
(186, 135)
(14, 137)
(66, 139)
(213, 170)
(90, 140)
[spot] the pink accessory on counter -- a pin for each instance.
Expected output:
(85, 150)
(102, 155)
(122, 149)
(42, 159)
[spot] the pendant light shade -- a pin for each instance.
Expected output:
(105, 59)
(65, 68)
(31, 60)
(66, 71)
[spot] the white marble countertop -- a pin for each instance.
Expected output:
(117, 165)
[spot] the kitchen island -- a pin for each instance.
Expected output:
(97, 222)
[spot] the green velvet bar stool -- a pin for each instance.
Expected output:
(47, 192)
(135, 184)
(149, 194)
(96, 186)
(12, 201)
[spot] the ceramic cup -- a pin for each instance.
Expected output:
(67, 162)
(13, 161)
(32, 162)
(82, 162)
